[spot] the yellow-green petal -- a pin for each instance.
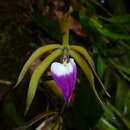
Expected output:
(89, 59)
(40, 69)
(83, 52)
(87, 71)
(33, 57)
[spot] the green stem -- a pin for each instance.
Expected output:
(65, 38)
(65, 25)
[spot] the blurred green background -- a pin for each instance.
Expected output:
(101, 26)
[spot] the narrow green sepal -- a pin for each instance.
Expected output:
(39, 70)
(40, 51)
(89, 60)
(87, 71)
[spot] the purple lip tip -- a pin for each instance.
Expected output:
(65, 76)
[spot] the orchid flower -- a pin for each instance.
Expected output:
(65, 76)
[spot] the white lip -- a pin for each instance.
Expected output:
(62, 69)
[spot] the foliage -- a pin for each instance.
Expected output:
(99, 42)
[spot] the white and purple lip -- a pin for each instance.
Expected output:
(65, 76)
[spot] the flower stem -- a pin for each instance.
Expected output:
(62, 109)
(65, 25)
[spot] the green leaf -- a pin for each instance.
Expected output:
(120, 67)
(40, 69)
(103, 124)
(118, 19)
(125, 75)
(115, 36)
(100, 66)
(87, 71)
(40, 51)
(124, 71)
(122, 89)
(105, 32)
(120, 115)
(84, 19)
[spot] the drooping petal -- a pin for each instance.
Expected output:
(65, 76)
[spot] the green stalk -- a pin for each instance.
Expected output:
(65, 25)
